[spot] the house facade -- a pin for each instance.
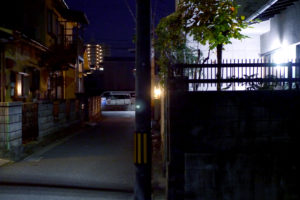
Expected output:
(35, 68)
(281, 42)
(42, 70)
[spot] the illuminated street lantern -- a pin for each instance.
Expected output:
(157, 92)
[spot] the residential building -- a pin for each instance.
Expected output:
(95, 54)
(281, 42)
(43, 58)
(42, 65)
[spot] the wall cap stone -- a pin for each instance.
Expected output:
(11, 104)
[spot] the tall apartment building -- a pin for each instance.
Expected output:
(95, 54)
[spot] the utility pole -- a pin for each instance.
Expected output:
(142, 136)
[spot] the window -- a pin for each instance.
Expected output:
(49, 21)
(22, 84)
(52, 23)
(55, 24)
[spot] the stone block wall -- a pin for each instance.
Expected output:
(49, 124)
(45, 119)
(10, 129)
(233, 145)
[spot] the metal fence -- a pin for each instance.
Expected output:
(238, 75)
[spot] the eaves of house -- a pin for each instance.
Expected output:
(265, 9)
(248, 7)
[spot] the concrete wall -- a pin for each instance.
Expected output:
(10, 129)
(48, 124)
(285, 29)
(45, 119)
(68, 113)
(233, 145)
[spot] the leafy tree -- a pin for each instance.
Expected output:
(170, 44)
(212, 22)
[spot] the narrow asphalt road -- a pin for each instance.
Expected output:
(97, 159)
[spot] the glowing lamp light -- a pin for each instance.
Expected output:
(283, 55)
(19, 89)
(157, 92)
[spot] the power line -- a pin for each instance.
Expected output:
(130, 10)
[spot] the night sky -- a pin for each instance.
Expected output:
(112, 23)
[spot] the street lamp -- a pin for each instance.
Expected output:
(157, 92)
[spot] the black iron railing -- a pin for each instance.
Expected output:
(238, 75)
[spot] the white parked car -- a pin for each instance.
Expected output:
(117, 100)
